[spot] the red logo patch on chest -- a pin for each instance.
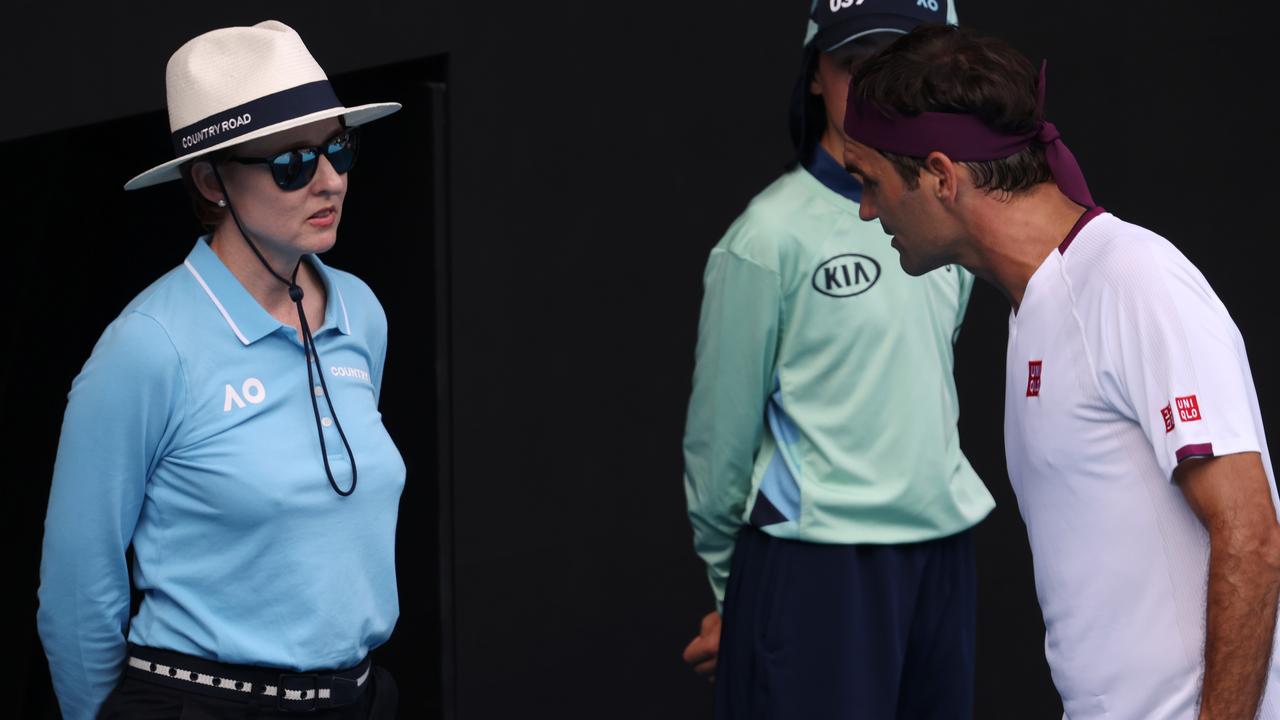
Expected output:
(1166, 412)
(1035, 367)
(1188, 408)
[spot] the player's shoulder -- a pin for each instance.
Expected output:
(1106, 240)
(1111, 253)
(1127, 265)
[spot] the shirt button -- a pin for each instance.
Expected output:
(326, 422)
(319, 391)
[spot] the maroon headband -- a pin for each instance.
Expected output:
(964, 138)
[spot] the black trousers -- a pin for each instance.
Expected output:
(138, 699)
(848, 632)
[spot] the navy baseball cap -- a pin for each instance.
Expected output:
(833, 23)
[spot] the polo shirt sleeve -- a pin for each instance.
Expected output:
(121, 413)
(1172, 360)
(737, 339)
(377, 347)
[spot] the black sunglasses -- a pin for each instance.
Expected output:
(293, 169)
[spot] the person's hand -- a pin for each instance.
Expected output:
(701, 652)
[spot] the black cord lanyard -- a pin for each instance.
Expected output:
(308, 349)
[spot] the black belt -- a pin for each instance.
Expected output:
(284, 690)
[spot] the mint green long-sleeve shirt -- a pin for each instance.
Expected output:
(824, 406)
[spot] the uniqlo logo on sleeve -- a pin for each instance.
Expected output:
(1033, 378)
(1166, 412)
(1188, 408)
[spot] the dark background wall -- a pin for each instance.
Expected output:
(595, 154)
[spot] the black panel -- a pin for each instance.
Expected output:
(596, 152)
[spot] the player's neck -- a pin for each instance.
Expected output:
(1014, 236)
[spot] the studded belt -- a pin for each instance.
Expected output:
(284, 690)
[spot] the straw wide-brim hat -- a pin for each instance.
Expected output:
(233, 85)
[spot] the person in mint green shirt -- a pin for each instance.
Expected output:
(827, 490)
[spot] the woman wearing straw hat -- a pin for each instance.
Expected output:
(226, 427)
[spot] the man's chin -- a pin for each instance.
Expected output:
(911, 270)
(914, 267)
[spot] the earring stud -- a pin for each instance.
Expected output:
(222, 203)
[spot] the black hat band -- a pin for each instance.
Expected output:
(261, 112)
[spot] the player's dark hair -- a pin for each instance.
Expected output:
(940, 68)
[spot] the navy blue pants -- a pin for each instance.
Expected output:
(874, 632)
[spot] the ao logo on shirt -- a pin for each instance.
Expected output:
(846, 275)
(251, 390)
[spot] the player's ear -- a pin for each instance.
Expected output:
(940, 176)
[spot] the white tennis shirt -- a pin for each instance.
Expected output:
(1123, 362)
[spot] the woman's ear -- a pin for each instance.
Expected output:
(206, 183)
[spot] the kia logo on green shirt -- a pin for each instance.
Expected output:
(846, 275)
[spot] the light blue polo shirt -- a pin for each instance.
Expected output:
(189, 433)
